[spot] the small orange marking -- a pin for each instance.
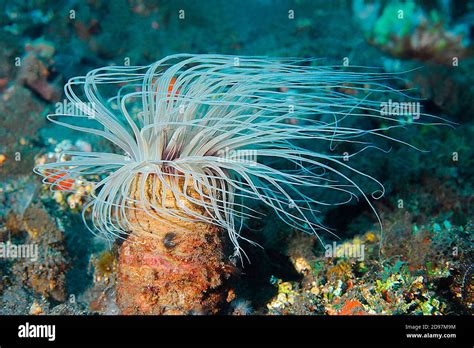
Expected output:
(63, 184)
(426, 240)
(171, 85)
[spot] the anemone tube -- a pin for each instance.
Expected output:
(198, 140)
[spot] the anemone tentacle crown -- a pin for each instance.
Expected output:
(216, 132)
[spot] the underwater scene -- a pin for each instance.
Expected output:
(237, 158)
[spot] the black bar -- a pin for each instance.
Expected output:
(261, 330)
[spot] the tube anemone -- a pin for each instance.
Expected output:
(198, 139)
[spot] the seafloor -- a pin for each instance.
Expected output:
(423, 262)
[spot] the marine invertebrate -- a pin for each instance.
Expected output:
(241, 307)
(198, 138)
(405, 30)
